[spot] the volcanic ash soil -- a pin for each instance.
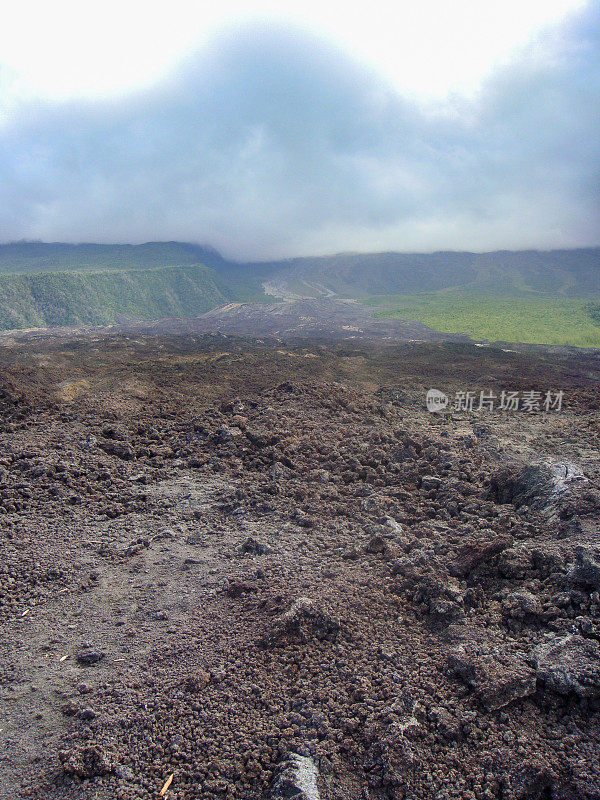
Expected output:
(245, 573)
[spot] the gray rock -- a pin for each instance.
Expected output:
(586, 570)
(254, 547)
(546, 486)
(87, 714)
(497, 676)
(124, 773)
(297, 779)
(569, 664)
(521, 604)
(429, 482)
(85, 762)
(305, 620)
(88, 656)
(515, 562)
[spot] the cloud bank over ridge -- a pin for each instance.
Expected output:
(271, 143)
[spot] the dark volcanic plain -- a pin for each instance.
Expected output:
(215, 552)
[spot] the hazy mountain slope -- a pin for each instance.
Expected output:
(69, 284)
(57, 256)
(93, 298)
(569, 273)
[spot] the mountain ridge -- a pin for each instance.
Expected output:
(54, 283)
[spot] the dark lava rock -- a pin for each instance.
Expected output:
(85, 762)
(569, 664)
(305, 620)
(376, 545)
(253, 547)
(236, 587)
(124, 772)
(586, 570)
(89, 656)
(521, 604)
(532, 780)
(297, 778)
(478, 550)
(122, 450)
(497, 676)
(430, 482)
(544, 486)
(87, 714)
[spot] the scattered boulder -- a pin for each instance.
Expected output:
(569, 664)
(377, 545)
(122, 450)
(515, 562)
(253, 547)
(532, 780)
(521, 604)
(546, 486)
(85, 762)
(430, 483)
(197, 682)
(477, 550)
(236, 587)
(497, 676)
(305, 620)
(124, 772)
(447, 725)
(297, 778)
(586, 569)
(88, 656)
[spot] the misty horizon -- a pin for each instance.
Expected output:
(319, 255)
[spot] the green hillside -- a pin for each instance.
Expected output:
(94, 298)
(538, 320)
(57, 256)
(521, 273)
(535, 296)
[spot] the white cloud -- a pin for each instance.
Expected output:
(72, 48)
(272, 143)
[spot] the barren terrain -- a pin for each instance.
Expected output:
(219, 554)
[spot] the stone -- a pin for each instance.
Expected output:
(125, 773)
(497, 676)
(87, 714)
(237, 587)
(515, 562)
(430, 482)
(297, 779)
(586, 569)
(481, 548)
(253, 547)
(521, 604)
(305, 620)
(546, 486)
(568, 664)
(376, 545)
(88, 656)
(447, 725)
(85, 762)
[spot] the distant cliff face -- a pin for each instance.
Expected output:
(48, 299)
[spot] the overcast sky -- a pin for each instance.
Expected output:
(292, 129)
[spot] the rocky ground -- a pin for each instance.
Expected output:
(233, 569)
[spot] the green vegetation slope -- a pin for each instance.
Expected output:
(534, 320)
(94, 298)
